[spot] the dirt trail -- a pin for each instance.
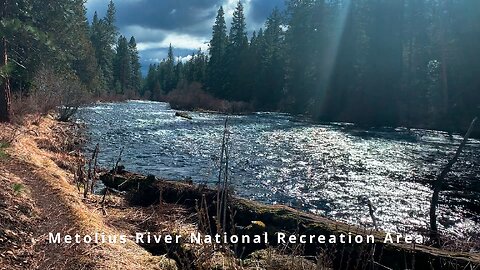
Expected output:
(39, 198)
(52, 216)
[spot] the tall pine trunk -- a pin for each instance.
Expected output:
(5, 95)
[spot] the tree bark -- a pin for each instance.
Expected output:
(5, 96)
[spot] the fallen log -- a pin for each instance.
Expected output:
(147, 190)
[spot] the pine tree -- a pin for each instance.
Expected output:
(43, 34)
(103, 34)
(136, 75)
(217, 50)
(199, 67)
(84, 62)
(122, 66)
(238, 34)
(272, 52)
(300, 55)
(97, 39)
(169, 71)
(237, 51)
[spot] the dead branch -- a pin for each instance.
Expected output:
(438, 185)
(115, 168)
(93, 174)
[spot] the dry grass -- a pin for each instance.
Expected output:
(17, 214)
(272, 259)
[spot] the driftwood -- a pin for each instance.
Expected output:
(145, 190)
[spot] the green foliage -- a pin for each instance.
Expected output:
(238, 33)
(3, 146)
(18, 188)
(170, 81)
(169, 74)
(6, 71)
(45, 34)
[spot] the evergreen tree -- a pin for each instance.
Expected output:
(238, 34)
(237, 52)
(149, 79)
(169, 82)
(256, 54)
(103, 35)
(179, 75)
(216, 64)
(199, 68)
(84, 62)
(301, 53)
(122, 66)
(13, 21)
(272, 61)
(136, 75)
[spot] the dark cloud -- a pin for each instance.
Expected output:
(180, 15)
(261, 9)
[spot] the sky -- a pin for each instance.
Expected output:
(186, 24)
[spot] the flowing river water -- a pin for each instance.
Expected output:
(328, 169)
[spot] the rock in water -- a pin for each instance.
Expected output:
(183, 115)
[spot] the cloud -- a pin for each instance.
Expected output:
(179, 41)
(143, 34)
(259, 10)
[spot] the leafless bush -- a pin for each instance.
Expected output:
(51, 91)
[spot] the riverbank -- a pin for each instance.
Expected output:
(341, 246)
(38, 197)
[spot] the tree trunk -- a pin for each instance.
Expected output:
(5, 95)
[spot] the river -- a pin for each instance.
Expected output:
(327, 169)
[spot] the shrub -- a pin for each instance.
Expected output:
(190, 96)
